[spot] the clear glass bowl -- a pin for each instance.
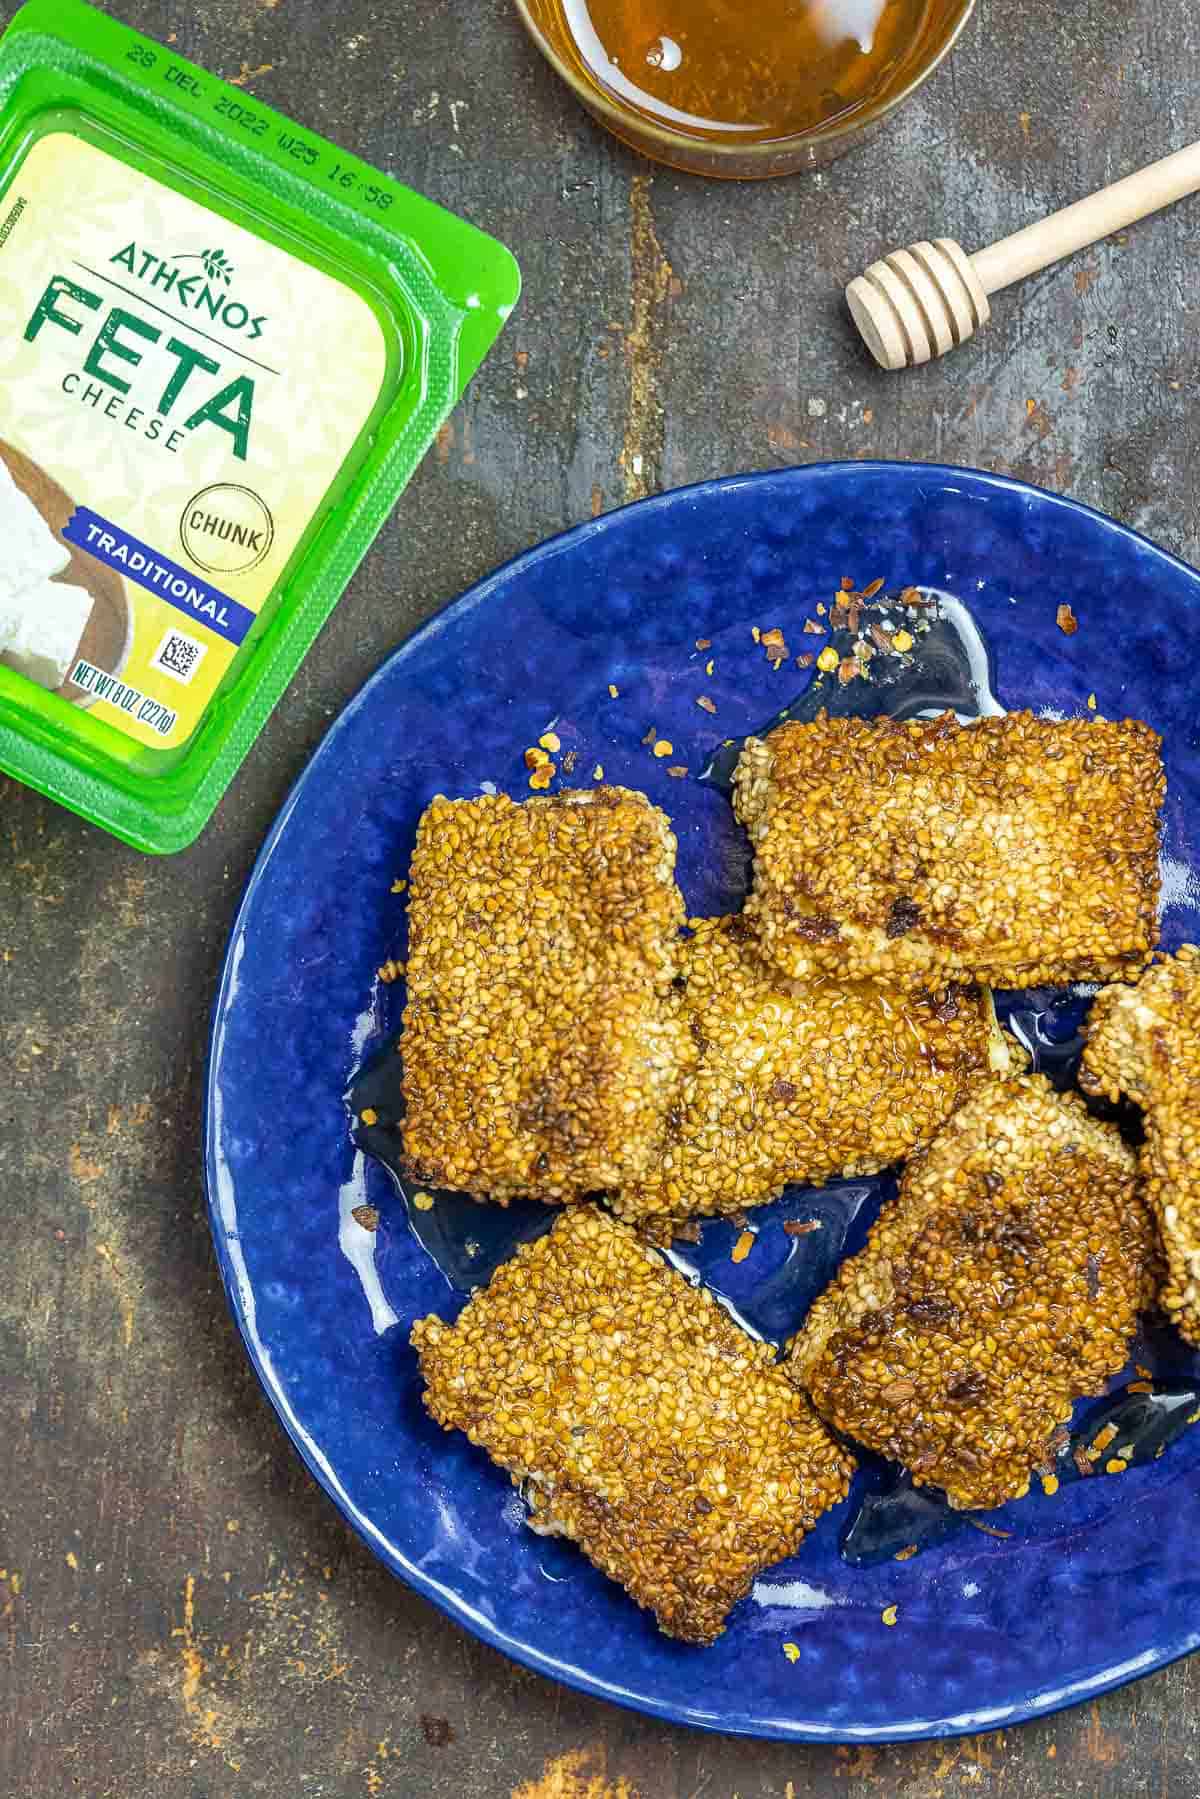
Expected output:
(705, 154)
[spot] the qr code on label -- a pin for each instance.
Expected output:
(179, 656)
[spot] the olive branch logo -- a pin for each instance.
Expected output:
(216, 264)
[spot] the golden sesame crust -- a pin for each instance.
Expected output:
(649, 1428)
(1013, 851)
(1002, 1284)
(801, 1081)
(538, 1052)
(1144, 1042)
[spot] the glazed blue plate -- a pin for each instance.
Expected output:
(1090, 1588)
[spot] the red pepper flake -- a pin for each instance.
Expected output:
(872, 588)
(1066, 621)
(704, 643)
(651, 736)
(1101, 1442)
(769, 639)
(367, 1216)
(801, 1227)
(706, 704)
(569, 761)
(906, 1554)
(677, 771)
(847, 584)
(848, 670)
(805, 661)
(989, 1530)
(1079, 1456)
(1139, 1386)
(813, 629)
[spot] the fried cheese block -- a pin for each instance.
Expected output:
(642, 1423)
(802, 1081)
(1000, 1286)
(537, 1048)
(1013, 851)
(1144, 1042)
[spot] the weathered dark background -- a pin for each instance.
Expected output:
(182, 1614)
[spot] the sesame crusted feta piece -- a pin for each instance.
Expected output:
(802, 1081)
(642, 1423)
(1000, 1286)
(1013, 851)
(1144, 1042)
(538, 1050)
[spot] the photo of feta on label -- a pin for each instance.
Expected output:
(30, 553)
(40, 631)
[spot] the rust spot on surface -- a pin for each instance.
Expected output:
(1100, 1745)
(650, 277)
(436, 1731)
(579, 1774)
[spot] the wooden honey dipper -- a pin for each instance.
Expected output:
(918, 303)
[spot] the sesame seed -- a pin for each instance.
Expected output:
(585, 1368)
(612, 691)
(1015, 851)
(1144, 1044)
(798, 1083)
(792, 1652)
(542, 950)
(963, 1367)
(890, 1614)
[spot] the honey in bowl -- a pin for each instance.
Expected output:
(741, 76)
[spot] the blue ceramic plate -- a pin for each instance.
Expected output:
(1092, 1587)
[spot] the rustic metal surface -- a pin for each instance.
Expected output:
(182, 1614)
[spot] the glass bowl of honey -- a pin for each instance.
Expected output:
(744, 88)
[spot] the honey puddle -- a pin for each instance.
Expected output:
(722, 68)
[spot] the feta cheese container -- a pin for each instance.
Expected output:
(224, 347)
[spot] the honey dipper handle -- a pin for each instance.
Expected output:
(1037, 246)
